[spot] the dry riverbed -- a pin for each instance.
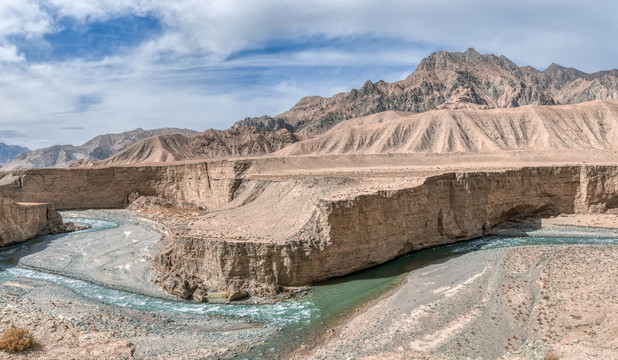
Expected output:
(517, 303)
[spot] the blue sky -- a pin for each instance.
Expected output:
(71, 70)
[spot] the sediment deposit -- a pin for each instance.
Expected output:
(330, 237)
(365, 192)
(519, 303)
(204, 184)
(591, 125)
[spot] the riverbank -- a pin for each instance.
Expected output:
(69, 326)
(73, 319)
(434, 301)
(517, 303)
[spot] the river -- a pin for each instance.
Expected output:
(302, 320)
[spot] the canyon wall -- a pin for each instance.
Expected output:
(256, 239)
(20, 222)
(204, 184)
(343, 236)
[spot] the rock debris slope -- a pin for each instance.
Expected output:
(591, 125)
(448, 80)
(207, 145)
(99, 148)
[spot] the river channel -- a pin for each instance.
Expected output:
(299, 321)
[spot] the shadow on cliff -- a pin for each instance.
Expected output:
(517, 227)
(397, 267)
(417, 259)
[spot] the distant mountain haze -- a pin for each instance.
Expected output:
(99, 148)
(8, 152)
(465, 99)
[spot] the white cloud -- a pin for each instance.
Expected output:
(182, 78)
(9, 53)
(22, 17)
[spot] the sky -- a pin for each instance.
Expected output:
(71, 70)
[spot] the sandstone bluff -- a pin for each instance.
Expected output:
(234, 245)
(22, 221)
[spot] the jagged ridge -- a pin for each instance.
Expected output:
(448, 80)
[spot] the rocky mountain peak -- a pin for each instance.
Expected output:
(448, 80)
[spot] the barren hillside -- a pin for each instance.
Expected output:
(207, 145)
(8, 152)
(448, 80)
(591, 125)
(98, 148)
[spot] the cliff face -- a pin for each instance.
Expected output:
(260, 233)
(346, 235)
(20, 222)
(448, 80)
(206, 185)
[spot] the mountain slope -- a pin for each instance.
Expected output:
(448, 80)
(99, 148)
(590, 125)
(207, 145)
(8, 152)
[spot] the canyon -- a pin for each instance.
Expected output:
(255, 232)
(467, 146)
(362, 193)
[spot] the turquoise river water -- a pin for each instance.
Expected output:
(302, 320)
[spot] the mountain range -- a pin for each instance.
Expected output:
(448, 80)
(209, 144)
(98, 148)
(460, 86)
(591, 125)
(7, 152)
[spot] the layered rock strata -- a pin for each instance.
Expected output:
(257, 233)
(339, 236)
(205, 184)
(447, 80)
(22, 221)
